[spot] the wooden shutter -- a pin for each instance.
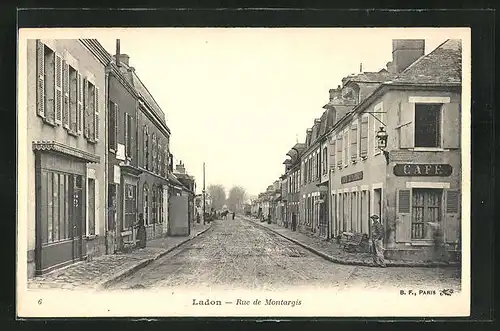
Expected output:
(363, 137)
(452, 216)
(333, 151)
(115, 123)
(354, 141)
(403, 215)
(451, 125)
(58, 89)
(346, 147)
(40, 80)
(126, 135)
(339, 150)
(79, 104)
(65, 89)
(96, 113)
(159, 159)
(407, 125)
(86, 126)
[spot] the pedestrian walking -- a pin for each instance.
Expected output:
(377, 237)
(141, 232)
(294, 222)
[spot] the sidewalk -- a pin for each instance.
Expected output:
(332, 252)
(106, 270)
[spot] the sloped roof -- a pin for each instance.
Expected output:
(368, 76)
(441, 66)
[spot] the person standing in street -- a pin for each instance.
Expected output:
(377, 237)
(233, 214)
(294, 222)
(141, 232)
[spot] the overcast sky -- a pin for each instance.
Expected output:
(238, 99)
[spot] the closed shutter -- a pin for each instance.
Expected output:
(58, 89)
(40, 80)
(354, 141)
(333, 151)
(86, 109)
(127, 154)
(407, 125)
(403, 215)
(79, 106)
(363, 137)
(96, 113)
(346, 147)
(65, 88)
(339, 150)
(115, 124)
(451, 125)
(160, 170)
(451, 216)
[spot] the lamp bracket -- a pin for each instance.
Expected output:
(376, 112)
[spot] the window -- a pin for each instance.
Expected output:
(146, 147)
(153, 153)
(154, 207)
(346, 147)
(333, 152)
(91, 111)
(354, 141)
(145, 202)
(299, 174)
(91, 206)
(363, 140)
(318, 165)
(165, 160)
(128, 136)
(325, 160)
(113, 126)
(160, 205)
(160, 164)
(60, 203)
(69, 89)
(46, 84)
(428, 125)
(426, 207)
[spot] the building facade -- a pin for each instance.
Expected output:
(188, 190)
(65, 99)
(414, 182)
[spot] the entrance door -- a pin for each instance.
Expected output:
(76, 218)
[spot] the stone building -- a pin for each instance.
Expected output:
(414, 181)
(293, 180)
(66, 175)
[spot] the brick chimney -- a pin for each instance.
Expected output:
(179, 168)
(123, 58)
(405, 52)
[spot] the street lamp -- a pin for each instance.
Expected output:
(382, 142)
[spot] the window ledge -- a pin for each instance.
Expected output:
(49, 122)
(72, 133)
(424, 242)
(429, 149)
(90, 237)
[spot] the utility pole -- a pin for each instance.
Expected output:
(204, 199)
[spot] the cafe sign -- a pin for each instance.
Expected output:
(412, 169)
(351, 177)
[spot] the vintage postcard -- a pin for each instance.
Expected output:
(277, 172)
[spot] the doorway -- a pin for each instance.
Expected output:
(76, 217)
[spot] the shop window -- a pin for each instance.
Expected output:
(428, 125)
(426, 207)
(130, 209)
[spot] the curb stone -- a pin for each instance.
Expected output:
(129, 271)
(330, 258)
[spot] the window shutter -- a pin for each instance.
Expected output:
(451, 125)
(65, 88)
(451, 216)
(407, 125)
(115, 123)
(333, 151)
(86, 126)
(346, 147)
(403, 215)
(364, 137)
(354, 141)
(40, 80)
(127, 154)
(159, 159)
(339, 150)
(96, 113)
(79, 106)
(58, 89)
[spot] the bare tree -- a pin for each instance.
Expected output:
(217, 193)
(236, 199)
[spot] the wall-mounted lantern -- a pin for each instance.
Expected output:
(382, 142)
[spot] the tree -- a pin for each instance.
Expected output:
(236, 199)
(217, 194)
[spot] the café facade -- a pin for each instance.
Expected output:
(398, 156)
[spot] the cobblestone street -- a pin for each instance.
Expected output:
(241, 254)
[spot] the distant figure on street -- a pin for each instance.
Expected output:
(269, 218)
(377, 236)
(440, 253)
(233, 214)
(294, 222)
(141, 232)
